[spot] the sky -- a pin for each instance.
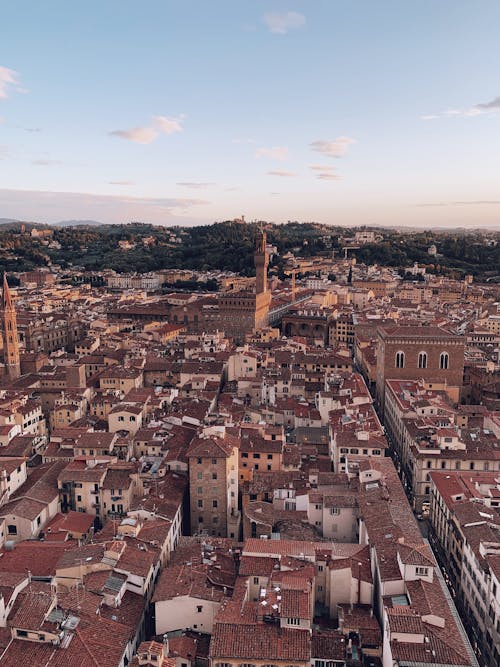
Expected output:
(345, 112)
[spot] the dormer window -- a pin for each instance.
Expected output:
(422, 571)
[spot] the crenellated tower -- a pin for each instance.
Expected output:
(261, 260)
(10, 336)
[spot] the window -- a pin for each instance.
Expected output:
(200, 475)
(214, 462)
(214, 475)
(12, 529)
(422, 359)
(256, 580)
(199, 462)
(200, 503)
(400, 360)
(214, 504)
(199, 609)
(22, 633)
(423, 571)
(444, 361)
(294, 621)
(334, 510)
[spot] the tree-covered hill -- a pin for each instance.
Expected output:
(229, 246)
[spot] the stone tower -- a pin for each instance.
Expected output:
(10, 339)
(261, 260)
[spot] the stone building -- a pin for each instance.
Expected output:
(213, 486)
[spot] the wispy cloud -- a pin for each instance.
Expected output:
(328, 176)
(195, 185)
(46, 162)
(32, 129)
(275, 153)
(493, 104)
(334, 148)
(140, 135)
(477, 110)
(473, 202)
(121, 183)
(281, 23)
(8, 79)
(148, 133)
(4, 152)
(281, 172)
(327, 172)
(322, 167)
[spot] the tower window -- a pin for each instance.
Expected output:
(400, 360)
(444, 361)
(422, 359)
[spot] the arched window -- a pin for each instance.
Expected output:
(400, 360)
(422, 359)
(444, 361)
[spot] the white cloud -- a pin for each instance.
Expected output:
(167, 125)
(121, 183)
(281, 172)
(8, 78)
(149, 133)
(335, 148)
(281, 23)
(140, 135)
(275, 153)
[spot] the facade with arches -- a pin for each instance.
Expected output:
(429, 353)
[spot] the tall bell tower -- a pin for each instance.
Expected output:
(261, 260)
(10, 338)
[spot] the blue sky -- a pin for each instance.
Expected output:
(339, 111)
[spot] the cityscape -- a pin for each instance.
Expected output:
(249, 334)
